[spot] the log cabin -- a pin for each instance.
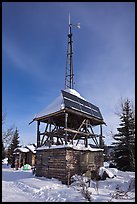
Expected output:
(25, 155)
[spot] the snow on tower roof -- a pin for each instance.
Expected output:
(72, 100)
(57, 104)
(74, 92)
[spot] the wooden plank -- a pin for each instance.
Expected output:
(76, 131)
(38, 134)
(45, 117)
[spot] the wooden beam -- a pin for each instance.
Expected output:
(66, 125)
(76, 132)
(44, 134)
(94, 138)
(95, 141)
(78, 129)
(45, 117)
(38, 134)
(100, 138)
(86, 130)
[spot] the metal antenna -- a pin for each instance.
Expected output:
(69, 78)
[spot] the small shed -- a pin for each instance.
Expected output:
(31, 155)
(63, 161)
(25, 155)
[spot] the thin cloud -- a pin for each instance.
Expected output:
(21, 59)
(104, 53)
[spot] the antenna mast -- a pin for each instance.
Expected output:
(69, 78)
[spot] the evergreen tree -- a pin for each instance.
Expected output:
(14, 144)
(3, 151)
(124, 151)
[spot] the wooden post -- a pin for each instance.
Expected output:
(100, 138)
(44, 134)
(66, 124)
(68, 178)
(86, 141)
(50, 137)
(86, 137)
(20, 159)
(38, 134)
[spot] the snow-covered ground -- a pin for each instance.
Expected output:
(23, 186)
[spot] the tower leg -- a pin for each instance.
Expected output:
(38, 134)
(66, 122)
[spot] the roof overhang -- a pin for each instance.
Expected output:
(72, 103)
(75, 117)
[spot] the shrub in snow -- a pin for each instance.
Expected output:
(106, 164)
(5, 161)
(82, 182)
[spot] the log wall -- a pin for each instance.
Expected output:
(62, 163)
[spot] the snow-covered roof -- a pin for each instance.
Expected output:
(71, 99)
(26, 149)
(74, 92)
(76, 147)
(57, 104)
(22, 149)
(31, 148)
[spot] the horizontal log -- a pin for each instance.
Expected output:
(59, 174)
(56, 150)
(75, 131)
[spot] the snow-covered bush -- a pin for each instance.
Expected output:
(5, 161)
(105, 173)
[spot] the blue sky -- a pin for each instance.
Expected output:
(34, 43)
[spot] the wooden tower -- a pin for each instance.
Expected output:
(67, 123)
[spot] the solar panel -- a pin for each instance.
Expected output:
(86, 110)
(95, 111)
(85, 103)
(71, 104)
(74, 102)
(70, 96)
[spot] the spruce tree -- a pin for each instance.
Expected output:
(124, 151)
(14, 144)
(3, 150)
